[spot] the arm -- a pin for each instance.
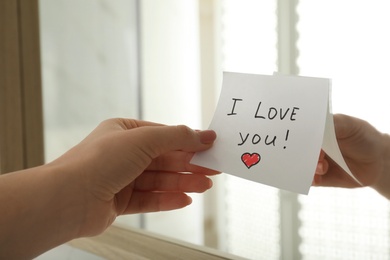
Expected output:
(122, 167)
(365, 150)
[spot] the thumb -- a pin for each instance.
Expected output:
(157, 140)
(344, 125)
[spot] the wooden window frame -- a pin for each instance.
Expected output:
(119, 242)
(21, 117)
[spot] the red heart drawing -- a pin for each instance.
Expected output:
(250, 159)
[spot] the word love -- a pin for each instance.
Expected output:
(272, 113)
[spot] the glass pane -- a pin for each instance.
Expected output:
(347, 41)
(89, 66)
(252, 219)
(171, 94)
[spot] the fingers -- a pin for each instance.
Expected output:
(172, 182)
(338, 178)
(342, 125)
(142, 202)
(322, 169)
(322, 165)
(317, 179)
(160, 191)
(348, 126)
(180, 131)
(329, 174)
(128, 124)
(178, 161)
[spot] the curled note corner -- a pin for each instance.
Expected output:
(331, 147)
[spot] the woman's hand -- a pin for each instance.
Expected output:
(124, 166)
(366, 152)
(127, 166)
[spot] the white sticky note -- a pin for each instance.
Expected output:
(269, 129)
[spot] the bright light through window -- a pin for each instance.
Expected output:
(252, 209)
(343, 40)
(347, 41)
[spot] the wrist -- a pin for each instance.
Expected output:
(63, 211)
(69, 201)
(40, 211)
(83, 214)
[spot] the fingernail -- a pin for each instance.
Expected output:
(207, 136)
(210, 184)
(320, 168)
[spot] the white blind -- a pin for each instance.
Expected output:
(344, 224)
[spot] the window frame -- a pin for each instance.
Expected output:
(21, 118)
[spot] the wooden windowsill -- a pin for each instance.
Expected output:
(119, 242)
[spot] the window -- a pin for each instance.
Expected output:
(344, 41)
(93, 69)
(94, 63)
(90, 69)
(171, 93)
